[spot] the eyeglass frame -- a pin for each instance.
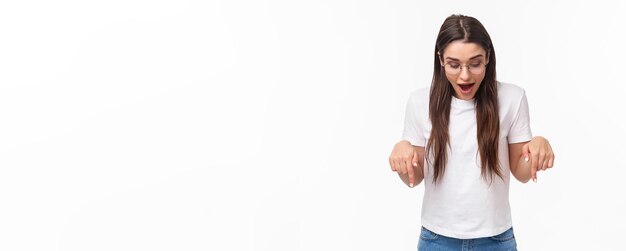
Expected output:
(464, 66)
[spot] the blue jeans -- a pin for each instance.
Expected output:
(431, 241)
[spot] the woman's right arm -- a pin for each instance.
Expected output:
(408, 161)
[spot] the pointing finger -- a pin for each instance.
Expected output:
(533, 171)
(534, 164)
(409, 168)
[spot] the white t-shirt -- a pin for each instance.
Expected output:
(462, 204)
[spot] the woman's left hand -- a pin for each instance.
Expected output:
(539, 152)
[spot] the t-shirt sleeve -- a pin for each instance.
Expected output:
(413, 131)
(520, 128)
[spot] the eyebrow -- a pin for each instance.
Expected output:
(456, 59)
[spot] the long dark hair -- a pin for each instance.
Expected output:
(466, 29)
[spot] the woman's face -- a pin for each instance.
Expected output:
(471, 60)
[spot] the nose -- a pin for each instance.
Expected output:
(465, 74)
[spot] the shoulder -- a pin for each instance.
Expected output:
(510, 94)
(420, 96)
(418, 103)
(509, 90)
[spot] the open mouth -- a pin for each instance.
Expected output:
(466, 88)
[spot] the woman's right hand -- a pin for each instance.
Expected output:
(404, 159)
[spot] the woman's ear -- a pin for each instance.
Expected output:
(440, 58)
(488, 54)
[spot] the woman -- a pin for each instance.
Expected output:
(463, 137)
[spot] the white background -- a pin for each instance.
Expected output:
(267, 125)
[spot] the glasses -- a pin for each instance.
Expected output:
(454, 68)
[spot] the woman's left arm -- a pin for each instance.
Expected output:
(529, 157)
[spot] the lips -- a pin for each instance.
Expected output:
(466, 88)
